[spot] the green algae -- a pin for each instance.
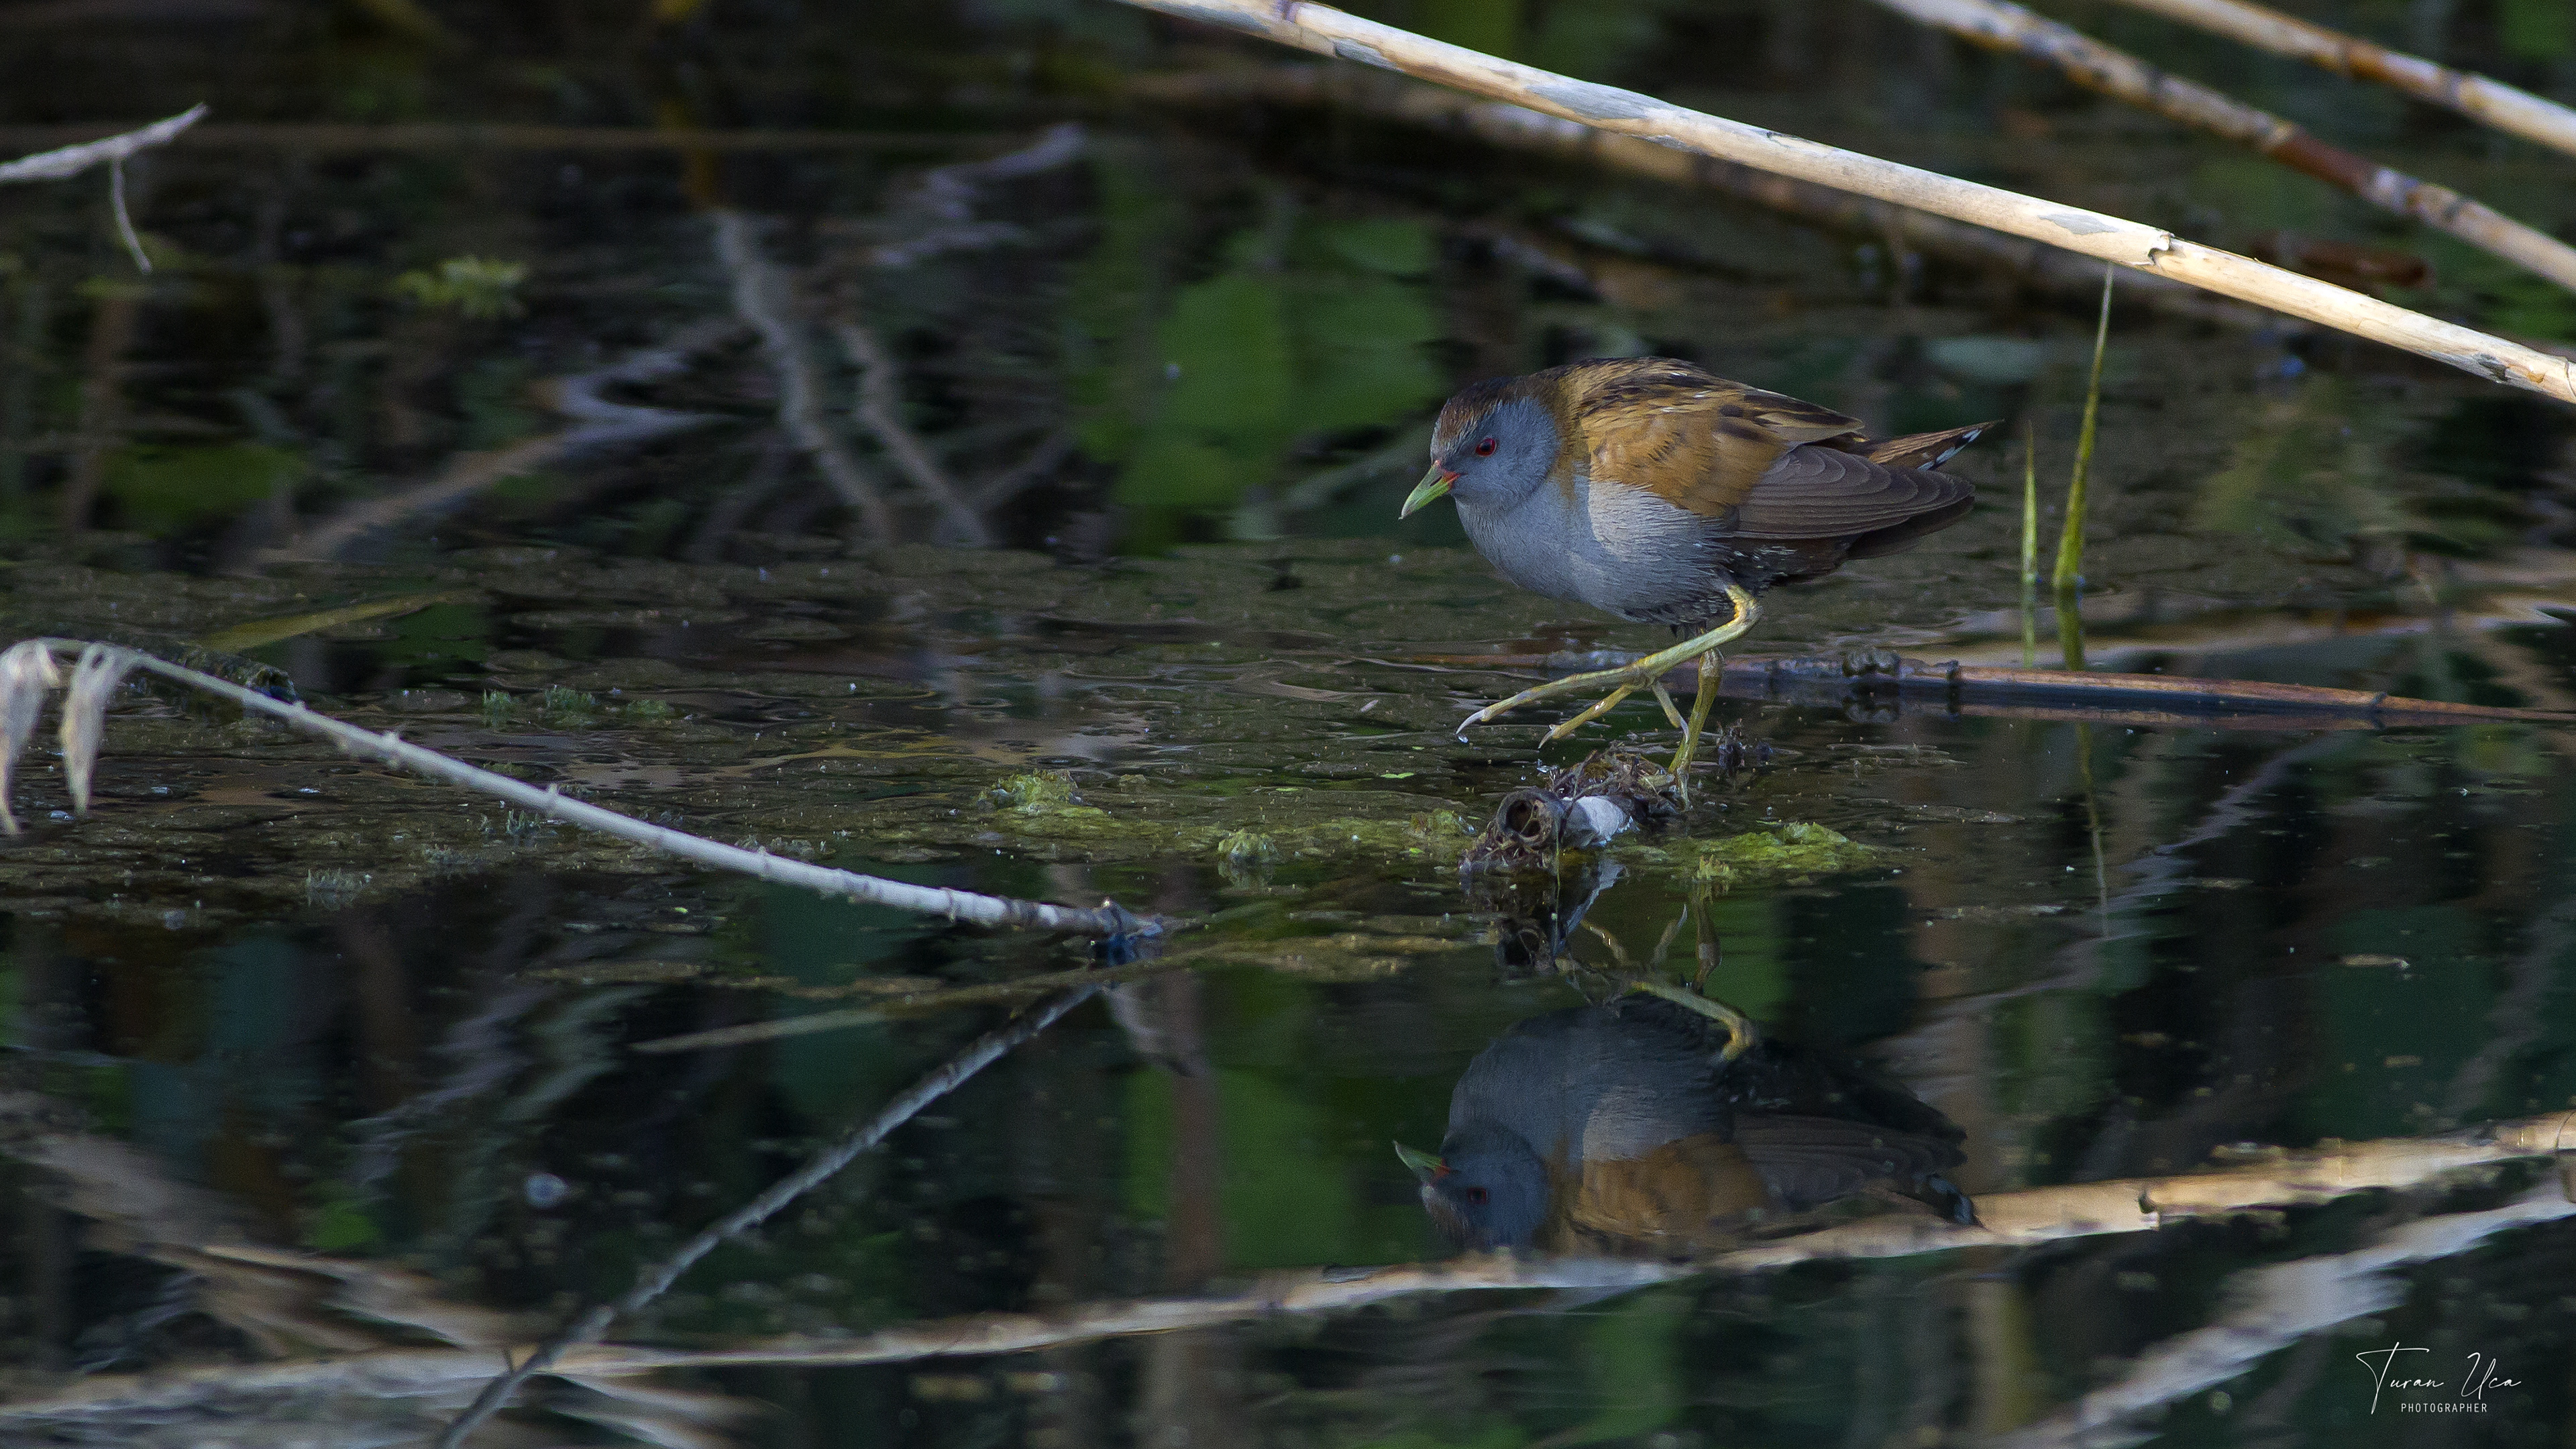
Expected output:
(1794, 851)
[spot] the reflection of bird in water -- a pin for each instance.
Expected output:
(1648, 1123)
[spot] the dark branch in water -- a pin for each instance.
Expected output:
(656, 1281)
(2047, 693)
(28, 671)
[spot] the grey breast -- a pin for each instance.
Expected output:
(1621, 550)
(1603, 1083)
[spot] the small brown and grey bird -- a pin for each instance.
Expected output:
(1667, 1124)
(1661, 493)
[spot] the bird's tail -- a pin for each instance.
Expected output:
(1924, 450)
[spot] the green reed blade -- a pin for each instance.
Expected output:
(2029, 543)
(2070, 541)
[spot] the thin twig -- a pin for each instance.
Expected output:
(1328, 31)
(655, 1281)
(2497, 104)
(2001, 25)
(881, 408)
(759, 296)
(956, 905)
(65, 161)
(124, 221)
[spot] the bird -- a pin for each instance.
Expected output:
(1664, 1122)
(1656, 491)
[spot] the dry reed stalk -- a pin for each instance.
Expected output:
(2001, 25)
(1328, 31)
(2493, 102)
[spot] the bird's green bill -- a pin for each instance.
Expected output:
(1424, 1165)
(1433, 484)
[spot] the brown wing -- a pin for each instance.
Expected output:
(1811, 1161)
(1698, 440)
(1674, 1196)
(1815, 491)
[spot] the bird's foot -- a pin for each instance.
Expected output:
(1628, 678)
(1742, 1033)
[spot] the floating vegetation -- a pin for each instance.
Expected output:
(475, 287)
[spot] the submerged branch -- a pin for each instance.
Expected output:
(1328, 31)
(656, 1280)
(2493, 102)
(34, 656)
(1983, 688)
(2001, 25)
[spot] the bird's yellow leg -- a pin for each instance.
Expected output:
(1672, 712)
(1608, 703)
(1742, 1033)
(1711, 667)
(1633, 676)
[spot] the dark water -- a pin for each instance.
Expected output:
(324, 1083)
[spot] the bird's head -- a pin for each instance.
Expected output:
(1492, 445)
(1486, 1190)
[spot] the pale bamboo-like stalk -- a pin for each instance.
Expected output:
(2493, 102)
(2001, 25)
(1328, 31)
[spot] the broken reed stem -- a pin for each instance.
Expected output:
(2492, 102)
(1109, 920)
(654, 1281)
(760, 297)
(2001, 25)
(2029, 543)
(881, 409)
(2069, 579)
(1328, 31)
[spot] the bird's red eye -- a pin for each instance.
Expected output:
(1484, 447)
(1476, 1195)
